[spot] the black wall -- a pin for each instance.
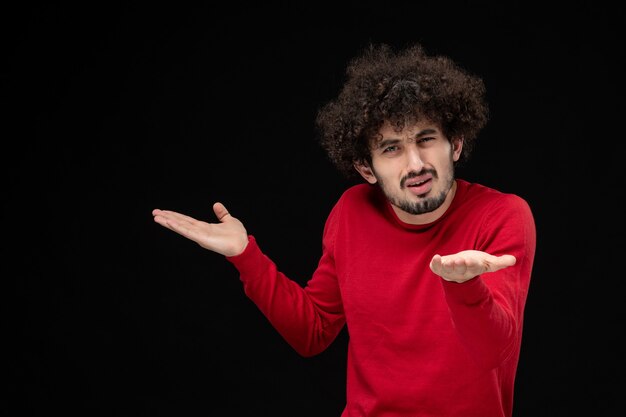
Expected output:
(112, 110)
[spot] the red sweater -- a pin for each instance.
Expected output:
(418, 345)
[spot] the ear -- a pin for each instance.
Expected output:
(366, 172)
(457, 147)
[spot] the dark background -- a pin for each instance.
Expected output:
(113, 109)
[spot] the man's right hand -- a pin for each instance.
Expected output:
(228, 237)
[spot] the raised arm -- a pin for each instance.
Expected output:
(228, 237)
(486, 288)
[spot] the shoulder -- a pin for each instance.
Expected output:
(493, 205)
(485, 196)
(347, 205)
(503, 220)
(357, 201)
(359, 195)
(357, 191)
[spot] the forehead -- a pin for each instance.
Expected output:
(388, 131)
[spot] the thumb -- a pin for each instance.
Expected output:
(220, 211)
(506, 260)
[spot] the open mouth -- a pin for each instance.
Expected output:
(417, 183)
(419, 186)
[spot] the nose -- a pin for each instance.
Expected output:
(414, 160)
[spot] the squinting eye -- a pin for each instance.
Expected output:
(390, 149)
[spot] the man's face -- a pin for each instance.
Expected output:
(415, 170)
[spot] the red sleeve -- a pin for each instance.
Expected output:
(308, 318)
(488, 310)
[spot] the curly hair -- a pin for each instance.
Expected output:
(400, 88)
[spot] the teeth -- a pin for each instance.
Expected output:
(417, 183)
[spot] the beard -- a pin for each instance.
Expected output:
(425, 204)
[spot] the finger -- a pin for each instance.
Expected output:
(173, 220)
(220, 211)
(179, 217)
(495, 263)
(460, 266)
(159, 219)
(182, 229)
(447, 266)
(507, 260)
(435, 264)
(503, 261)
(165, 222)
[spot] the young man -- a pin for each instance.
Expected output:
(428, 272)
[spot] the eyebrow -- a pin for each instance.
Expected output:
(391, 141)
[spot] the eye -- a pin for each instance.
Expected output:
(425, 139)
(391, 148)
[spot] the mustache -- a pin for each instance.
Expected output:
(414, 174)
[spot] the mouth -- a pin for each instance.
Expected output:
(419, 185)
